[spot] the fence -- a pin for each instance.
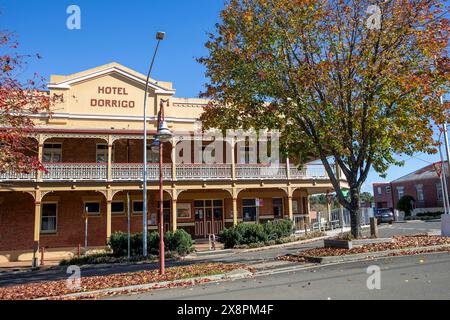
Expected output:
(321, 223)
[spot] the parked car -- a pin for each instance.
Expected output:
(384, 215)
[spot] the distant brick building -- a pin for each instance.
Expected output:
(424, 185)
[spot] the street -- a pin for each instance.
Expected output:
(404, 277)
(409, 277)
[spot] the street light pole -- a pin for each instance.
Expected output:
(447, 149)
(163, 135)
(159, 37)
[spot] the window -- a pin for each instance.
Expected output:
(48, 217)
(401, 192)
(379, 191)
(277, 204)
(249, 210)
(208, 208)
(184, 210)
(152, 157)
(247, 155)
(92, 208)
(52, 153)
(118, 207)
(102, 153)
(166, 211)
(419, 189)
(295, 207)
(439, 191)
(138, 207)
(388, 189)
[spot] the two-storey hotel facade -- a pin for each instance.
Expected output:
(92, 148)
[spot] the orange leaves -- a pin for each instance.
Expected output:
(400, 242)
(56, 289)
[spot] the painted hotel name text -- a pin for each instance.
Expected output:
(112, 103)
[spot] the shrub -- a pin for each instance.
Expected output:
(250, 234)
(179, 242)
(230, 237)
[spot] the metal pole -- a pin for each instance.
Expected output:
(161, 212)
(86, 233)
(447, 149)
(444, 179)
(129, 225)
(144, 175)
(443, 193)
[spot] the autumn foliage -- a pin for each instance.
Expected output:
(18, 101)
(345, 82)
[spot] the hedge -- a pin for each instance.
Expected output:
(245, 234)
(179, 241)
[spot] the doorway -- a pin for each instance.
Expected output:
(208, 217)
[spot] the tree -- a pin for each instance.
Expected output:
(339, 86)
(367, 197)
(406, 204)
(18, 100)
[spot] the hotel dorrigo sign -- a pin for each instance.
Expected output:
(114, 97)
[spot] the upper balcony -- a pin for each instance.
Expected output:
(58, 172)
(74, 157)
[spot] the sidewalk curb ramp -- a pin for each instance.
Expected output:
(232, 275)
(367, 255)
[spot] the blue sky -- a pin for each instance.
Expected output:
(123, 31)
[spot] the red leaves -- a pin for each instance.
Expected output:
(17, 101)
(56, 289)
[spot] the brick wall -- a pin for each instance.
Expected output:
(16, 221)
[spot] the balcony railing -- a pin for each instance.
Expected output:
(204, 172)
(133, 171)
(263, 172)
(187, 172)
(75, 171)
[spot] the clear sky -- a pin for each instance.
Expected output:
(124, 31)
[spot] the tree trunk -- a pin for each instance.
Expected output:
(355, 214)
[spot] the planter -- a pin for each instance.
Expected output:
(362, 242)
(342, 244)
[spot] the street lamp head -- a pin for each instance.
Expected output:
(160, 35)
(164, 133)
(155, 145)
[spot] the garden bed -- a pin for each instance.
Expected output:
(408, 243)
(55, 289)
(285, 240)
(109, 258)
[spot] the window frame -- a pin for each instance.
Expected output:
(47, 232)
(97, 152)
(281, 206)
(117, 213)
(250, 206)
(53, 151)
(93, 214)
(137, 213)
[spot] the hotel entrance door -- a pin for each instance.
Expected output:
(208, 217)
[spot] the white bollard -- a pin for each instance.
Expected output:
(445, 225)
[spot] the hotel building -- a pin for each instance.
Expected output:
(92, 149)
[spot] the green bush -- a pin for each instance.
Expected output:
(179, 242)
(250, 234)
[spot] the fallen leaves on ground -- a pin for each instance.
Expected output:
(59, 288)
(398, 242)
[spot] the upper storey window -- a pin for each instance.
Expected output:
(102, 153)
(52, 153)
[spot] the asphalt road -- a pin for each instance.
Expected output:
(258, 257)
(408, 278)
